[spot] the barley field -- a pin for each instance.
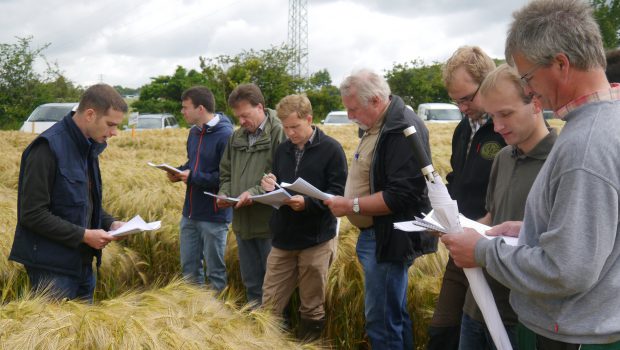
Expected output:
(140, 300)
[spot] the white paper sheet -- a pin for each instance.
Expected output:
(274, 198)
(135, 225)
(165, 167)
(446, 213)
(304, 187)
(428, 222)
(227, 199)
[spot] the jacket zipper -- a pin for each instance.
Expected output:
(191, 187)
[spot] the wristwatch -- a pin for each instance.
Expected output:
(356, 205)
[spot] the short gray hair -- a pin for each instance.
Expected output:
(544, 28)
(367, 84)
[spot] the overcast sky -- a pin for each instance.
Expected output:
(126, 42)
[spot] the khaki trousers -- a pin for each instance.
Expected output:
(306, 268)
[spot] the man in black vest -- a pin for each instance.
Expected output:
(61, 224)
(474, 146)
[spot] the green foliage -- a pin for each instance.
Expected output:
(268, 69)
(126, 90)
(163, 94)
(607, 14)
(323, 96)
(417, 82)
(22, 88)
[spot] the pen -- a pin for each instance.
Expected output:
(274, 182)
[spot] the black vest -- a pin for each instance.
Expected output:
(69, 197)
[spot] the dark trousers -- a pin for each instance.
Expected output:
(61, 286)
(445, 326)
(538, 342)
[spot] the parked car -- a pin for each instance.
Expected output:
(156, 121)
(439, 112)
(336, 118)
(46, 115)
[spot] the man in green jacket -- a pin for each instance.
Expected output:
(246, 159)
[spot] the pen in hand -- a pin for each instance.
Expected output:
(274, 181)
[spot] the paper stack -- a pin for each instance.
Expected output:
(135, 225)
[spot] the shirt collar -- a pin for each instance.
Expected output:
(542, 148)
(475, 125)
(260, 128)
(613, 93)
(377, 126)
(213, 122)
(309, 142)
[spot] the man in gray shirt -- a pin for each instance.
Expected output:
(564, 275)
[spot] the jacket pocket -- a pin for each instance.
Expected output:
(70, 196)
(71, 188)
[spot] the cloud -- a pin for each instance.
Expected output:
(129, 41)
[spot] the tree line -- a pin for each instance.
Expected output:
(22, 88)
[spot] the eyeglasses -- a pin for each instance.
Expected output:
(467, 99)
(525, 78)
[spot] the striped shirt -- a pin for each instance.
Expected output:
(299, 152)
(475, 126)
(611, 94)
(253, 137)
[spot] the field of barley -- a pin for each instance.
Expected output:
(141, 301)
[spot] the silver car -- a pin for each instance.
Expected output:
(156, 121)
(336, 118)
(46, 115)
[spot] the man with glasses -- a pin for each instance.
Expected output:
(474, 146)
(563, 277)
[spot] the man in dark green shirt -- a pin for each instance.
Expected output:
(518, 118)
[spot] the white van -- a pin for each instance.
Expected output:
(46, 115)
(337, 118)
(439, 112)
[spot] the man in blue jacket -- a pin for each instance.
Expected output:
(204, 226)
(61, 224)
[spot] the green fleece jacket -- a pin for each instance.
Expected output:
(241, 169)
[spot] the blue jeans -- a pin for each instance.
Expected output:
(387, 321)
(253, 255)
(204, 241)
(475, 335)
(61, 286)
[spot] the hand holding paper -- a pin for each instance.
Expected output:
(135, 225)
(165, 167)
(446, 215)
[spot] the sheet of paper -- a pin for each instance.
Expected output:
(429, 223)
(447, 215)
(165, 167)
(274, 198)
(135, 225)
(408, 226)
(227, 199)
(304, 187)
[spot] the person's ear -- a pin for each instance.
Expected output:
(563, 62)
(90, 115)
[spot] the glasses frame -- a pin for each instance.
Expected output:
(467, 99)
(529, 75)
